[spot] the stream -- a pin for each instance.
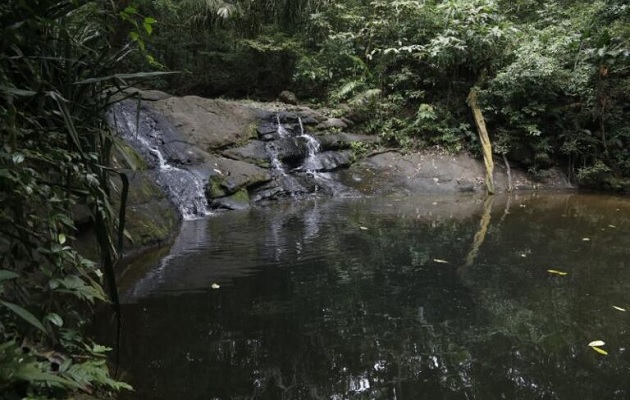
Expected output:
(451, 297)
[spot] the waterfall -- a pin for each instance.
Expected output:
(298, 164)
(145, 133)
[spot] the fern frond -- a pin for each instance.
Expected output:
(365, 97)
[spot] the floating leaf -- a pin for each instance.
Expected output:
(600, 351)
(619, 308)
(437, 260)
(611, 226)
(586, 239)
(523, 255)
(215, 286)
(363, 228)
(596, 343)
(556, 272)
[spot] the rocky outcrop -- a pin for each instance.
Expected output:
(248, 152)
(435, 172)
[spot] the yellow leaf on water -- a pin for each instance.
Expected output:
(596, 343)
(619, 308)
(363, 228)
(586, 239)
(600, 351)
(215, 286)
(556, 272)
(611, 226)
(437, 260)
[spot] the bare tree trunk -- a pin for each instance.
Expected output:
(485, 139)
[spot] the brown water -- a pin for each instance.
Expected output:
(392, 298)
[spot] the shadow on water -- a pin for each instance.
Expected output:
(393, 298)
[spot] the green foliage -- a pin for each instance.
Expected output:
(57, 75)
(552, 76)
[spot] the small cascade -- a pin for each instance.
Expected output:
(298, 164)
(291, 186)
(281, 130)
(312, 145)
(184, 186)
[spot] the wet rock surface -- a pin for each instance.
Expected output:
(246, 153)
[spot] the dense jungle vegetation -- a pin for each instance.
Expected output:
(552, 79)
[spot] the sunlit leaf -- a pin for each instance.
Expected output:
(363, 228)
(586, 239)
(611, 226)
(619, 308)
(437, 260)
(62, 238)
(17, 158)
(215, 286)
(600, 351)
(55, 319)
(556, 272)
(596, 343)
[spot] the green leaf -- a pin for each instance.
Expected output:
(17, 92)
(55, 319)
(600, 351)
(149, 20)
(62, 238)
(17, 158)
(148, 28)
(5, 274)
(24, 314)
(29, 372)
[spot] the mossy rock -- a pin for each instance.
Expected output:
(237, 201)
(151, 223)
(126, 158)
(216, 187)
(151, 219)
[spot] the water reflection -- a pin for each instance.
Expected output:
(346, 300)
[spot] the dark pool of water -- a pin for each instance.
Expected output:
(395, 298)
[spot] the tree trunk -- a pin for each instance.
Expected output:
(485, 139)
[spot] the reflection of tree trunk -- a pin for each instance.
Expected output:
(509, 174)
(483, 136)
(506, 211)
(480, 236)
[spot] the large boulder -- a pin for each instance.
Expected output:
(210, 124)
(228, 177)
(435, 172)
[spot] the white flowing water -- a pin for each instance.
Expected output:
(185, 188)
